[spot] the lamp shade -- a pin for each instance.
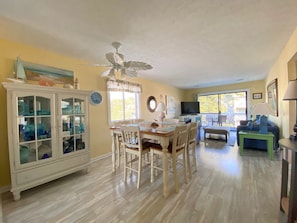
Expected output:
(262, 109)
(161, 107)
(291, 93)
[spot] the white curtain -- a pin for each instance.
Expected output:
(118, 85)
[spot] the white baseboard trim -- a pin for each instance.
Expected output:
(4, 189)
(95, 159)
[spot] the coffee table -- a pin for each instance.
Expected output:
(218, 130)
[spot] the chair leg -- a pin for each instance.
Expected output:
(194, 157)
(152, 165)
(131, 164)
(139, 170)
(118, 155)
(185, 167)
(175, 179)
(147, 158)
(125, 166)
(189, 162)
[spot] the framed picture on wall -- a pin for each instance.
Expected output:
(171, 106)
(272, 95)
(257, 95)
(47, 76)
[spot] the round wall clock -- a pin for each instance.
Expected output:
(95, 98)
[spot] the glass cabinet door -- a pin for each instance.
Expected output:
(73, 125)
(34, 124)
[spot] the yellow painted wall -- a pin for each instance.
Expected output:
(89, 79)
(284, 69)
(253, 86)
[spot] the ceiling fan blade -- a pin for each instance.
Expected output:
(110, 57)
(96, 65)
(136, 65)
(109, 72)
(119, 58)
(130, 72)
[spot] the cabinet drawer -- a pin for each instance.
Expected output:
(52, 170)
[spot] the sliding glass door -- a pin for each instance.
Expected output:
(225, 109)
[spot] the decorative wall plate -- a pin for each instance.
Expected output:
(95, 98)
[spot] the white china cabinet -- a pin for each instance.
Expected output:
(48, 133)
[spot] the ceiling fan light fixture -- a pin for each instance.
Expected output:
(116, 45)
(118, 74)
(121, 69)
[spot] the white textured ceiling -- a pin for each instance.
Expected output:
(189, 43)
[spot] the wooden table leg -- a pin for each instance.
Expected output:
(164, 144)
(241, 141)
(270, 148)
(113, 151)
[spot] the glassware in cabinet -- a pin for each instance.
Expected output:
(73, 124)
(34, 128)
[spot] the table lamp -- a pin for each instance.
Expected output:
(263, 110)
(162, 109)
(291, 94)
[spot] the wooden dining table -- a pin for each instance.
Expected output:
(162, 134)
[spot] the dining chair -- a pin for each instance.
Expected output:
(191, 148)
(220, 119)
(136, 121)
(119, 141)
(171, 120)
(176, 148)
(136, 148)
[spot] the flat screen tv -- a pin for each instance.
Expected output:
(190, 107)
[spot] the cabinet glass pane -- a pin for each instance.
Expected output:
(43, 127)
(67, 125)
(80, 142)
(27, 152)
(26, 129)
(42, 106)
(79, 106)
(44, 149)
(73, 124)
(74, 143)
(67, 106)
(26, 106)
(68, 144)
(79, 124)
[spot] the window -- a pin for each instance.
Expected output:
(231, 104)
(123, 100)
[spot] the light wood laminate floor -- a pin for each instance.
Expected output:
(228, 188)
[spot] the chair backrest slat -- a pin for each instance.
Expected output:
(180, 138)
(193, 128)
(131, 136)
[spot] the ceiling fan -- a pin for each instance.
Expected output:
(120, 69)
